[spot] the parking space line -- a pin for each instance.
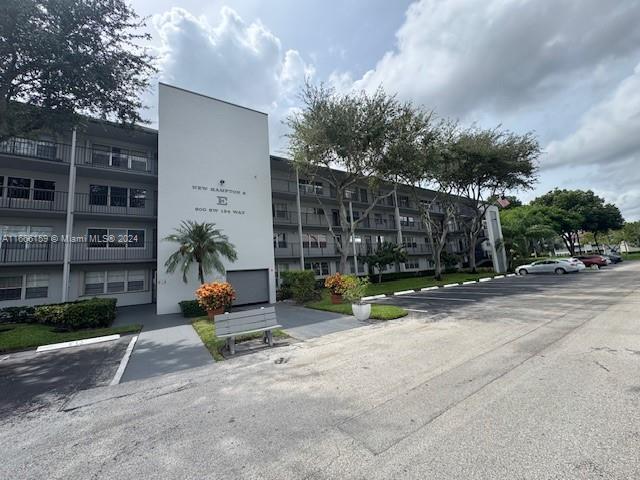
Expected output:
(123, 363)
(430, 297)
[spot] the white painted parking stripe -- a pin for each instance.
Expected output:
(428, 298)
(77, 343)
(416, 310)
(123, 363)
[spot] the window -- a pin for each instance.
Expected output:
(11, 287)
(319, 268)
(43, 190)
(98, 194)
(135, 280)
(20, 237)
(18, 187)
(97, 237)
(403, 201)
(280, 210)
(1, 186)
(407, 221)
(117, 196)
(37, 285)
(116, 237)
(409, 242)
(94, 283)
(363, 195)
(312, 211)
(314, 240)
(377, 219)
(351, 194)
(412, 265)
(135, 238)
(310, 187)
(137, 197)
(280, 240)
(115, 281)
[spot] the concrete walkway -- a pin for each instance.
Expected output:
(305, 323)
(167, 343)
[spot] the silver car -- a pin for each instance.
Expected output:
(548, 266)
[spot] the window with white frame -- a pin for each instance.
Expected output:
(280, 210)
(310, 187)
(314, 240)
(319, 268)
(407, 221)
(409, 242)
(21, 237)
(23, 287)
(412, 264)
(116, 237)
(280, 240)
(118, 157)
(114, 281)
(106, 195)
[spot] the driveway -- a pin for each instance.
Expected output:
(306, 323)
(517, 385)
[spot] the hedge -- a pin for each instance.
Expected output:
(191, 308)
(91, 313)
(301, 285)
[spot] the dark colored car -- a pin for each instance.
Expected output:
(614, 257)
(594, 261)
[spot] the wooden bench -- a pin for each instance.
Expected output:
(261, 319)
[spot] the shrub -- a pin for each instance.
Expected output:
(284, 292)
(191, 308)
(17, 315)
(336, 283)
(302, 284)
(214, 295)
(92, 313)
(355, 288)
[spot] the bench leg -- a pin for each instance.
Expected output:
(231, 343)
(270, 338)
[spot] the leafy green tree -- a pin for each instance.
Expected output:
(629, 233)
(385, 254)
(62, 58)
(199, 243)
(491, 162)
(584, 211)
(342, 140)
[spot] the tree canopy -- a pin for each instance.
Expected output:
(63, 58)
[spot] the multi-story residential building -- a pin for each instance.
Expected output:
(81, 221)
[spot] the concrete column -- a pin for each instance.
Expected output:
(398, 225)
(299, 220)
(71, 199)
(494, 230)
(353, 239)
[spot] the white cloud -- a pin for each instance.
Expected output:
(235, 61)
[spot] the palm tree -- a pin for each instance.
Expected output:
(201, 243)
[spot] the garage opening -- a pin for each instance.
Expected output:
(251, 286)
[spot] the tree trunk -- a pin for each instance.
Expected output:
(200, 273)
(437, 262)
(379, 275)
(595, 239)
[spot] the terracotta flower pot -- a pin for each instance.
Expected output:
(215, 311)
(336, 298)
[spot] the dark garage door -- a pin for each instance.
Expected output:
(251, 286)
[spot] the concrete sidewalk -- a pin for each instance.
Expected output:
(167, 343)
(305, 323)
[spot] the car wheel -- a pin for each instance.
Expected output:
(522, 271)
(560, 271)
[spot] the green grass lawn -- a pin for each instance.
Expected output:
(207, 332)
(24, 336)
(378, 312)
(631, 256)
(414, 283)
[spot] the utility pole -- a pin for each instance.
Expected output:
(71, 197)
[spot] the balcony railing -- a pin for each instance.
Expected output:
(115, 205)
(33, 199)
(53, 252)
(287, 186)
(119, 159)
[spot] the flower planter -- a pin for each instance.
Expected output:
(336, 298)
(216, 311)
(362, 311)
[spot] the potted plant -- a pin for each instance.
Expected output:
(335, 283)
(355, 288)
(215, 297)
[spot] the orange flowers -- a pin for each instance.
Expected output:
(215, 295)
(336, 283)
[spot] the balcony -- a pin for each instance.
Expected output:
(16, 253)
(418, 249)
(116, 159)
(18, 198)
(287, 186)
(105, 205)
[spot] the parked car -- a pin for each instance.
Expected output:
(614, 257)
(559, 267)
(593, 261)
(577, 263)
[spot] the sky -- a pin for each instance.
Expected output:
(568, 70)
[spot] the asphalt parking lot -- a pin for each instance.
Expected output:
(31, 381)
(526, 295)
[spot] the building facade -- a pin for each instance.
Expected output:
(79, 215)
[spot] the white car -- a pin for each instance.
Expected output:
(578, 263)
(549, 266)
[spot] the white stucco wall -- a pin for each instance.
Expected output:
(206, 146)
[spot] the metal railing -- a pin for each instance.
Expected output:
(127, 205)
(327, 249)
(120, 159)
(53, 252)
(33, 199)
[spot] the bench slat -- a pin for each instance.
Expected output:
(249, 313)
(249, 331)
(245, 328)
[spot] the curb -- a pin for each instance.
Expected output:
(77, 343)
(450, 285)
(429, 288)
(404, 292)
(124, 362)
(374, 297)
(485, 279)
(469, 282)
(499, 276)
